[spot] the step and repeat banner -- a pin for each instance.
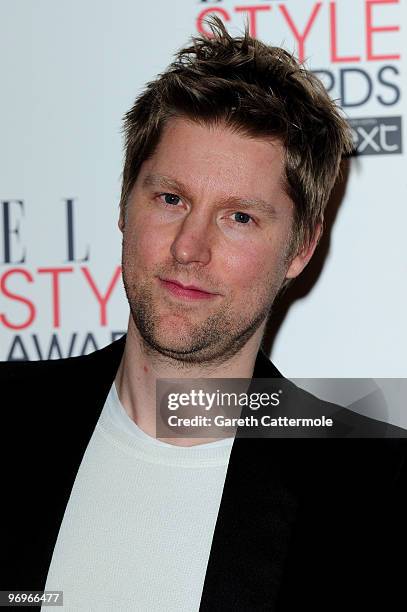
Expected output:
(70, 70)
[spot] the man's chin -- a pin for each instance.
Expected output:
(209, 348)
(178, 337)
(185, 354)
(178, 346)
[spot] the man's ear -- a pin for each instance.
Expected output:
(121, 220)
(301, 259)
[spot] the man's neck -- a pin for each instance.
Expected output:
(140, 368)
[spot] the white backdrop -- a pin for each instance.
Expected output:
(70, 70)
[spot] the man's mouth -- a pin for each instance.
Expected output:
(189, 292)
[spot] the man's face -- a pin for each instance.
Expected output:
(208, 210)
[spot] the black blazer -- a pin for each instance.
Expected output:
(303, 523)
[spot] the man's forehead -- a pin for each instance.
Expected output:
(191, 155)
(190, 129)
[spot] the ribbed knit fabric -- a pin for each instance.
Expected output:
(137, 530)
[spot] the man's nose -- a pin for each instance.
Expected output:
(192, 242)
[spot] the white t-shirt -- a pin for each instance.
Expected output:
(137, 531)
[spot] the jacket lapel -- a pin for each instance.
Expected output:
(255, 520)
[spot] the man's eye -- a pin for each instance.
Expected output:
(170, 198)
(242, 217)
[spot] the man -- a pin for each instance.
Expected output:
(231, 155)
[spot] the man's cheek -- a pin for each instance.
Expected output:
(245, 268)
(243, 287)
(144, 246)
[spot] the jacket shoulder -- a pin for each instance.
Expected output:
(31, 371)
(301, 403)
(59, 382)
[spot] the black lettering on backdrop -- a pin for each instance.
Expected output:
(338, 83)
(70, 233)
(382, 80)
(27, 348)
(17, 350)
(343, 73)
(9, 229)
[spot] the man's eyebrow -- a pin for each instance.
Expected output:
(162, 181)
(250, 203)
(166, 182)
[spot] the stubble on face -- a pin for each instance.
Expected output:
(173, 332)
